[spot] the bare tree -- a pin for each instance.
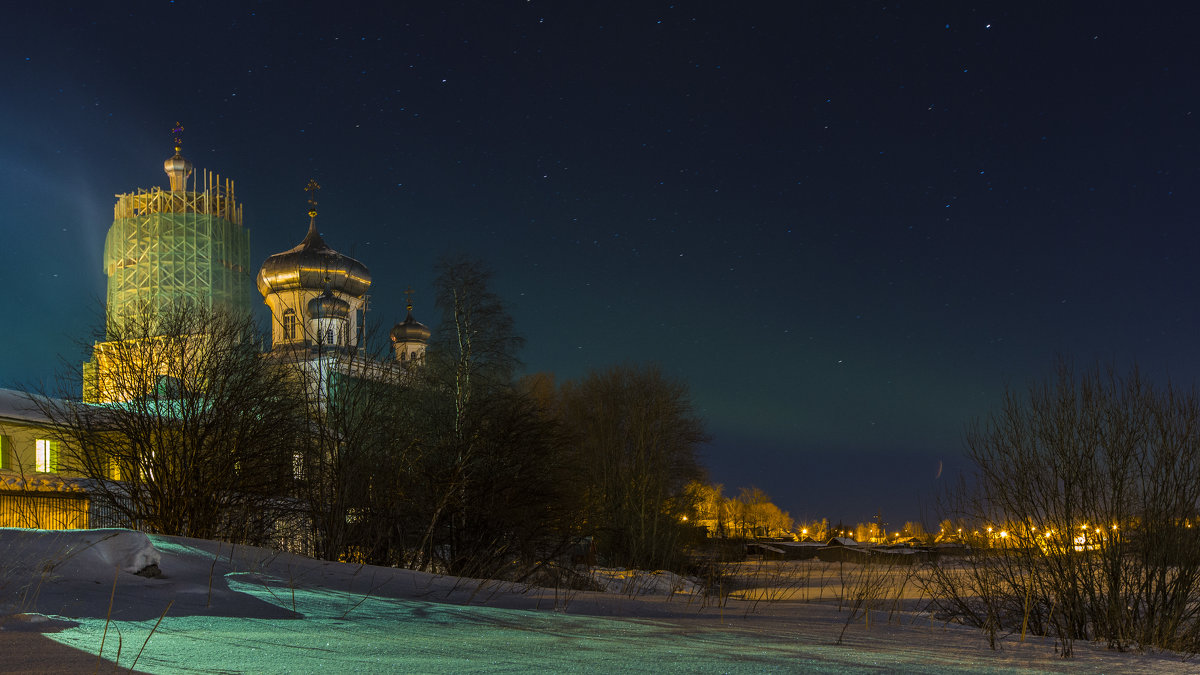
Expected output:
(359, 435)
(915, 529)
(491, 485)
(188, 430)
(1086, 492)
(711, 508)
(817, 530)
(476, 345)
(637, 441)
(758, 516)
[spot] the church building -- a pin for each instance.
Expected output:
(186, 245)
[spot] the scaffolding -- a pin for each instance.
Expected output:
(168, 247)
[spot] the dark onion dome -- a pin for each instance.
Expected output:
(328, 306)
(410, 330)
(309, 265)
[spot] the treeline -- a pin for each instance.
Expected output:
(875, 532)
(750, 515)
(455, 466)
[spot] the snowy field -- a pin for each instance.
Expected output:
(71, 597)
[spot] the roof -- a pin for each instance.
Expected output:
(410, 330)
(842, 541)
(18, 406)
(310, 265)
(41, 482)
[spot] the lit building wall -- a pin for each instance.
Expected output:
(19, 445)
(294, 302)
(37, 487)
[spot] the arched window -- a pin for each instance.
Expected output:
(289, 324)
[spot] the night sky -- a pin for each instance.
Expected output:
(847, 225)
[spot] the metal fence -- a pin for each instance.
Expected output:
(44, 510)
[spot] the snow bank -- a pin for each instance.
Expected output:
(246, 609)
(84, 554)
(91, 551)
(124, 549)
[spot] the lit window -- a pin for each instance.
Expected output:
(289, 324)
(46, 459)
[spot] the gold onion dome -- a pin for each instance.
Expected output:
(310, 265)
(328, 306)
(410, 330)
(178, 169)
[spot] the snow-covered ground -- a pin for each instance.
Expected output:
(240, 609)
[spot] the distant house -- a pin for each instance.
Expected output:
(767, 551)
(800, 550)
(842, 549)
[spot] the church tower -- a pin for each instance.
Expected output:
(174, 248)
(409, 338)
(316, 294)
(183, 245)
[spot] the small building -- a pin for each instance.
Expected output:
(33, 491)
(27, 442)
(842, 549)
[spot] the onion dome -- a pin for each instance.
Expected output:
(328, 306)
(410, 330)
(178, 169)
(309, 265)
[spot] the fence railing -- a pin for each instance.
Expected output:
(44, 511)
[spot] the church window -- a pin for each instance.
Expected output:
(46, 456)
(329, 336)
(289, 324)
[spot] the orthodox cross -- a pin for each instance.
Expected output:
(178, 133)
(311, 189)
